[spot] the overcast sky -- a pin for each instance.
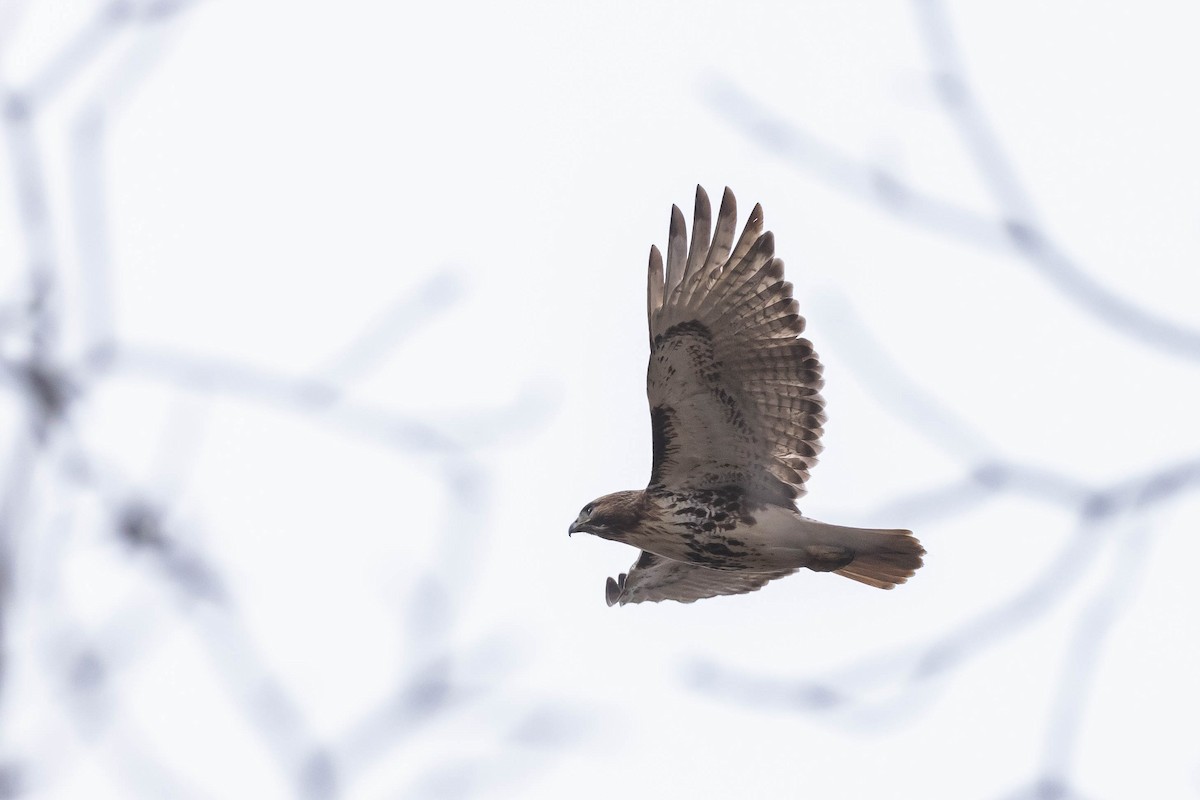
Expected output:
(371, 284)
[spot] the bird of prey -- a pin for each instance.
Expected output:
(736, 415)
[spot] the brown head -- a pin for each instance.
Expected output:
(610, 517)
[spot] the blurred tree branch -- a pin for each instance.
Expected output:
(48, 458)
(1014, 229)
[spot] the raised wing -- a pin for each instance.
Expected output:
(734, 394)
(653, 578)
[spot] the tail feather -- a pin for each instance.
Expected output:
(875, 556)
(882, 558)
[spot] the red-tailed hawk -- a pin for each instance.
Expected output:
(736, 412)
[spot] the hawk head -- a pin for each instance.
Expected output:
(611, 516)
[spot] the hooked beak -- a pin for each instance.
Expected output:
(576, 527)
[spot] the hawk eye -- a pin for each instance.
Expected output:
(588, 508)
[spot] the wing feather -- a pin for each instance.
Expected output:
(701, 227)
(722, 243)
(744, 281)
(676, 251)
(654, 578)
(654, 288)
(734, 389)
(750, 235)
(718, 250)
(728, 220)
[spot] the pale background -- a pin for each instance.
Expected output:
(321, 321)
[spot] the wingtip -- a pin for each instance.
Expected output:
(655, 284)
(766, 244)
(677, 220)
(677, 248)
(701, 231)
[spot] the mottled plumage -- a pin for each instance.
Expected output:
(736, 415)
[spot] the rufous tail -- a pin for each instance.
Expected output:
(882, 558)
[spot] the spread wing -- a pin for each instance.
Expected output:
(653, 578)
(734, 393)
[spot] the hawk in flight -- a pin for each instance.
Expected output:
(736, 413)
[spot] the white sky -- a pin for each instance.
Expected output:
(277, 175)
